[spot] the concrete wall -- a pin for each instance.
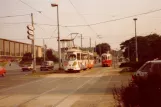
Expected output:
(16, 49)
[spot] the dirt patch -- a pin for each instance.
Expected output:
(95, 101)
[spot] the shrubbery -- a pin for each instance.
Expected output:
(142, 92)
(134, 65)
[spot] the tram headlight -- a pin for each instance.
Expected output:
(74, 64)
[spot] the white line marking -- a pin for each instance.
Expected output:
(48, 91)
(100, 75)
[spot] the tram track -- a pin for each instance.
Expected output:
(70, 81)
(99, 74)
(74, 77)
(2, 91)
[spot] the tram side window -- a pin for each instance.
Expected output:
(91, 57)
(104, 57)
(78, 56)
(84, 57)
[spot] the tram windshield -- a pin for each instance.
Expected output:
(104, 57)
(71, 57)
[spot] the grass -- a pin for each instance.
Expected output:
(3, 64)
(45, 73)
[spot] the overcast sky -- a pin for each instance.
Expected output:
(84, 12)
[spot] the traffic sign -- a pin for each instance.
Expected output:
(30, 32)
(30, 37)
(29, 27)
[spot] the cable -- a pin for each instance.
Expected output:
(45, 31)
(26, 38)
(41, 28)
(52, 35)
(119, 18)
(14, 16)
(35, 9)
(16, 23)
(29, 6)
(47, 24)
(83, 17)
(67, 28)
(126, 17)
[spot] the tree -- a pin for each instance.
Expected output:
(102, 48)
(50, 56)
(27, 57)
(148, 47)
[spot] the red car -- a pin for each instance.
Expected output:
(2, 71)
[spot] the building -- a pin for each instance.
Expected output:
(16, 50)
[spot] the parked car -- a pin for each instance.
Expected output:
(47, 65)
(27, 67)
(149, 66)
(2, 71)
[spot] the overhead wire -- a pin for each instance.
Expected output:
(26, 38)
(67, 28)
(29, 6)
(82, 17)
(113, 20)
(126, 17)
(40, 12)
(47, 24)
(15, 23)
(14, 16)
(52, 35)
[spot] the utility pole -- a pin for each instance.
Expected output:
(136, 45)
(59, 48)
(95, 46)
(90, 42)
(129, 52)
(81, 41)
(33, 45)
(114, 59)
(31, 36)
(44, 49)
(100, 49)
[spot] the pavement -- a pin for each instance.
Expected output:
(90, 88)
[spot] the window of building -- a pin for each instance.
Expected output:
(17, 49)
(21, 49)
(12, 48)
(1, 48)
(6, 45)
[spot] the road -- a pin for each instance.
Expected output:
(91, 88)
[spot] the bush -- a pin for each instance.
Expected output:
(39, 60)
(127, 69)
(134, 65)
(142, 92)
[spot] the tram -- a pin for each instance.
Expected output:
(106, 59)
(77, 60)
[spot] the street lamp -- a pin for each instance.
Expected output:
(59, 50)
(99, 37)
(136, 46)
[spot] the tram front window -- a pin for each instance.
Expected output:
(104, 57)
(71, 57)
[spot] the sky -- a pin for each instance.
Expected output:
(73, 13)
